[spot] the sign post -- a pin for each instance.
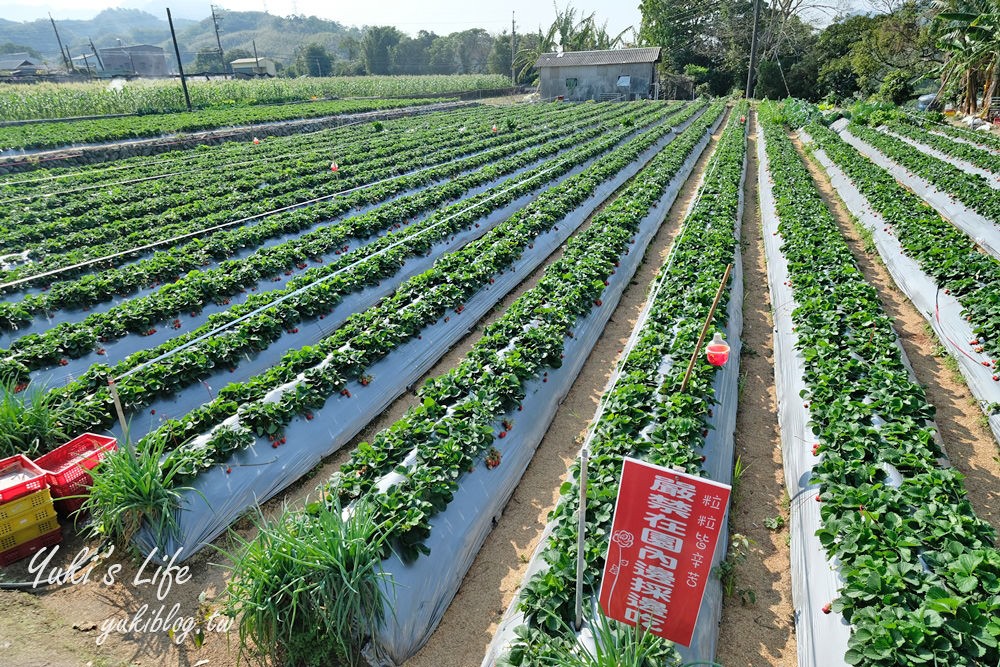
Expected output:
(664, 533)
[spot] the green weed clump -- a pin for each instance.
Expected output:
(31, 423)
(308, 588)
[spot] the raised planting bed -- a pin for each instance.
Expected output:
(643, 413)
(938, 267)
(915, 571)
(439, 481)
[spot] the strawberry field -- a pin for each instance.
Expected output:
(382, 327)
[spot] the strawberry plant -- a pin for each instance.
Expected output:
(895, 542)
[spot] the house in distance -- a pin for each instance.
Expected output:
(253, 67)
(617, 74)
(138, 60)
(20, 64)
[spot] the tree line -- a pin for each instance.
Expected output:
(890, 52)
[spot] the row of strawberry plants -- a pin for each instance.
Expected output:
(941, 250)
(167, 265)
(976, 156)
(55, 180)
(85, 217)
(316, 373)
(645, 414)
(454, 425)
(192, 292)
(365, 337)
(985, 139)
(58, 134)
(921, 575)
(970, 189)
(113, 229)
(527, 339)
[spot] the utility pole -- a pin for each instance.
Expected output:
(513, 77)
(96, 54)
(753, 50)
(86, 60)
(180, 67)
(62, 51)
(218, 40)
(256, 60)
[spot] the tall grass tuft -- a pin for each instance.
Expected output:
(130, 487)
(614, 644)
(307, 588)
(30, 420)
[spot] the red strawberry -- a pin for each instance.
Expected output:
(502, 434)
(309, 415)
(827, 608)
(598, 303)
(274, 445)
(818, 499)
(229, 470)
(152, 412)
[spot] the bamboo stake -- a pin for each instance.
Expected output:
(120, 411)
(704, 328)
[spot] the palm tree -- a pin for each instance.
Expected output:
(568, 34)
(969, 31)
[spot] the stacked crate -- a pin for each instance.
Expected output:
(27, 514)
(67, 468)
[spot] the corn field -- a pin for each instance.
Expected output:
(65, 100)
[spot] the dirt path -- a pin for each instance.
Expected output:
(969, 443)
(471, 620)
(757, 622)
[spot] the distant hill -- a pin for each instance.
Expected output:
(275, 36)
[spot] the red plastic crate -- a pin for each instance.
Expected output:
(67, 507)
(19, 477)
(24, 550)
(67, 465)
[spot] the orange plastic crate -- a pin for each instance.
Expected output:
(22, 551)
(67, 466)
(28, 533)
(25, 503)
(19, 477)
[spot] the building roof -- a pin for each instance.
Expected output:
(15, 61)
(249, 61)
(613, 57)
(142, 49)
